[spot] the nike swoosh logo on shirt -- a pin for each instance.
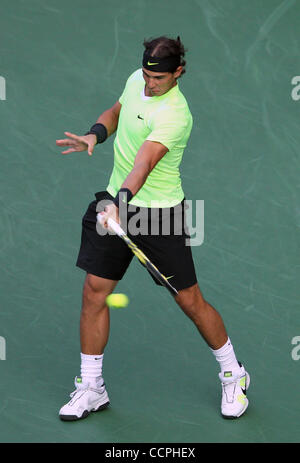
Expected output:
(140, 117)
(151, 64)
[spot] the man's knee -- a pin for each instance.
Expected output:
(190, 300)
(96, 289)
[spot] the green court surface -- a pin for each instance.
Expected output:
(64, 62)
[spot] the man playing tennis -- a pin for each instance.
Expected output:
(153, 123)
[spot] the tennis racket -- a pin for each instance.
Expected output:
(140, 255)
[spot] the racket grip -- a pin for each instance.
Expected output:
(112, 224)
(115, 227)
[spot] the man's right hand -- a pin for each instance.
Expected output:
(78, 143)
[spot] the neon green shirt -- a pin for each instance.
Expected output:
(165, 119)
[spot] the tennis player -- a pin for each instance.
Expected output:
(153, 123)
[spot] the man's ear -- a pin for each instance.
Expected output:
(178, 72)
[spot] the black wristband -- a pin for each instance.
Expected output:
(124, 195)
(100, 131)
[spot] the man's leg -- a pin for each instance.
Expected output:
(235, 380)
(94, 320)
(206, 318)
(90, 394)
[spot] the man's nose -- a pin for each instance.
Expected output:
(151, 83)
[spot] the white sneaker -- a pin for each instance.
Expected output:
(84, 399)
(234, 387)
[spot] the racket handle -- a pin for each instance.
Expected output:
(112, 224)
(115, 227)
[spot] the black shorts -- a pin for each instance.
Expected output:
(107, 255)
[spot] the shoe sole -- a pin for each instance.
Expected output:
(234, 417)
(84, 415)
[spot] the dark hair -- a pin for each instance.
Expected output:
(163, 47)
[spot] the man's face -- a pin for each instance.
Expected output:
(159, 83)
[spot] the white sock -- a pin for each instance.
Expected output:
(226, 357)
(91, 368)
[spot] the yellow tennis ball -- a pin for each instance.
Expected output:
(117, 301)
